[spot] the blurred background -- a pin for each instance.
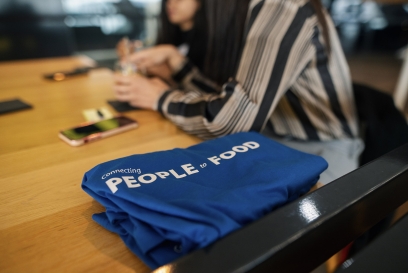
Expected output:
(374, 34)
(47, 28)
(50, 28)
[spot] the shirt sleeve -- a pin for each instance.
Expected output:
(190, 78)
(277, 48)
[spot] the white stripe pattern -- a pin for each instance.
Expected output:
(282, 78)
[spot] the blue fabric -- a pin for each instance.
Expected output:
(206, 191)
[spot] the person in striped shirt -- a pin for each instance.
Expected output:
(272, 66)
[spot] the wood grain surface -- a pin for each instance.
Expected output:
(45, 216)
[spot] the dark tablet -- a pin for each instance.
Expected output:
(121, 106)
(7, 106)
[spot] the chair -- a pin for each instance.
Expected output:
(384, 128)
(387, 253)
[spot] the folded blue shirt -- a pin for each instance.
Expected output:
(166, 204)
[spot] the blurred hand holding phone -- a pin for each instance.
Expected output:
(124, 49)
(91, 131)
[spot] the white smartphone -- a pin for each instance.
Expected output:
(92, 131)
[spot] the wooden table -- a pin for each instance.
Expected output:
(45, 216)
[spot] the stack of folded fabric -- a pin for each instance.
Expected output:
(166, 204)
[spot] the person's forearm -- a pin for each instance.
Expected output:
(209, 115)
(162, 71)
(190, 78)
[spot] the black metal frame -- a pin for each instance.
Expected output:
(303, 234)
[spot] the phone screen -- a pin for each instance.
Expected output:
(98, 127)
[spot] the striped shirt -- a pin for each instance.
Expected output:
(285, 81)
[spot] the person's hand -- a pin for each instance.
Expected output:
(158, 55)
(163, 72)
(138, 90)
(126, 47)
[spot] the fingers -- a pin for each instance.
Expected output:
(138, 90)
(125, 88)
(122, 92)
(122, 87)
(121, 79)
(119, 48)
(123, 48)
(158, 55)
(142, 62)
(151, 56)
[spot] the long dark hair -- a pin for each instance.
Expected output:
(226, 22)
(197, 38)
